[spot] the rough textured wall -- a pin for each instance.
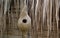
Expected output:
(44, 17)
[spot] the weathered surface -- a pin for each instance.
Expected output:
(44, 17)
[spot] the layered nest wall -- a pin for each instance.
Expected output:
(45, 17)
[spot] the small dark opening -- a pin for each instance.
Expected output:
(24, 20)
